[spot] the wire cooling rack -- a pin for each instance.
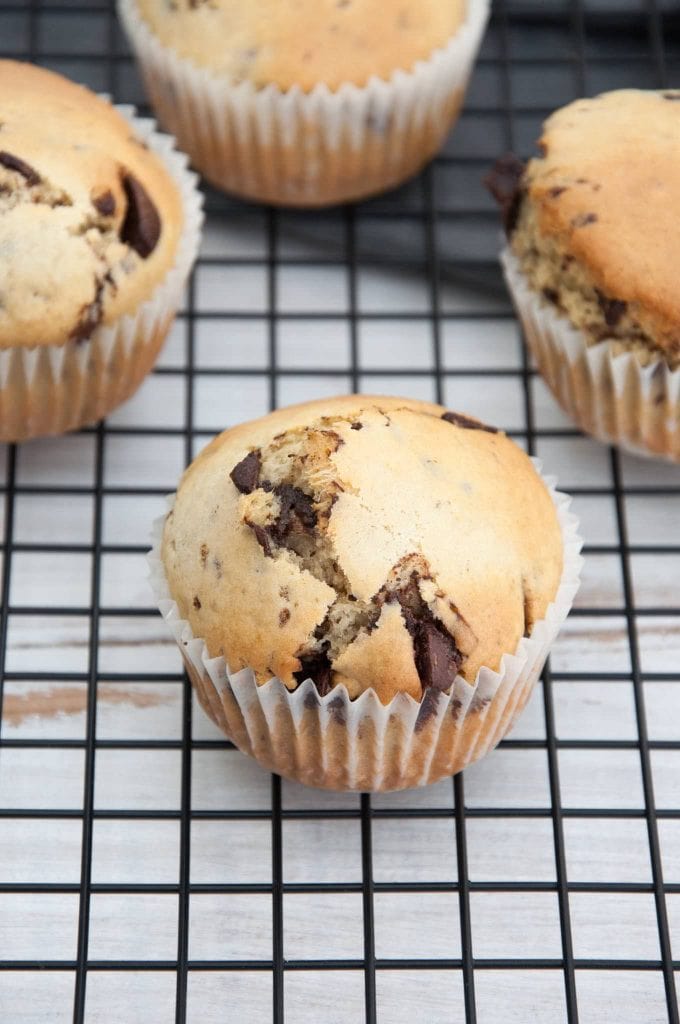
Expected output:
(149, 872)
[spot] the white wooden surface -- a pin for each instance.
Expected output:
(503, 848)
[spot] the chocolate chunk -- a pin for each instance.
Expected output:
(284, 616)
(504, 182)
(297, 513)
(246, 475)
(316, 667)
(357, 426)
(197, 604)
(105, 203)
(551, 295)
(263, 538)
(14, 163)
(612, 309)
(90, 315)
(466, 422)
(672, 95)
(437, 657)
(142, 226)
(556, 191)
(583, 220)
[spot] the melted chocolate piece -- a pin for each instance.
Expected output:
(316, 667)
(504, 182)
(296, 516)
(105, 203)
(90, 315)
(436, 656)
(612, 309)
(142, 226)
(551, 295)
(357, 426)
(297, 513)
(14, 163)
(246, 474)
(467, 423)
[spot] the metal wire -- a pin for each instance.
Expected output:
(439, 258)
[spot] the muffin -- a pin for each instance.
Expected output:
(373, 582)
(591, 263)
(99, 226)
(306, 102)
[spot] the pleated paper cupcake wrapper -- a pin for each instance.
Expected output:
(610, 394)
(307, 148)
(49, 389)
(337, 743)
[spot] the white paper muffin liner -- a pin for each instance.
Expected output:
(609, 393)
(307, 148)
(50, 389)
(337, 743)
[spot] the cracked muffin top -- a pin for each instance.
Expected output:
(592, 220)
(375, 542)
(303, 42)
(89, 218)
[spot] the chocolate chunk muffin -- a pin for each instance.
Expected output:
(592, 248)
(92, 224)
(306, 102)
(374, 546)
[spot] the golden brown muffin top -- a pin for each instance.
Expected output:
(303, 42)
(375, 542)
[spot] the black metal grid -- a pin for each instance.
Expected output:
(440, 230)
